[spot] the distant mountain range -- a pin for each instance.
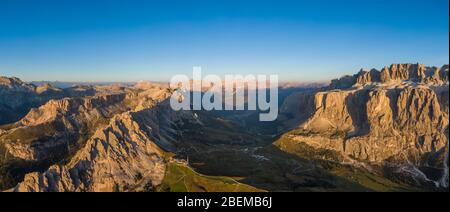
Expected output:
(73, 84)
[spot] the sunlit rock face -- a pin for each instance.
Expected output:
(396, 73)
(399, 115)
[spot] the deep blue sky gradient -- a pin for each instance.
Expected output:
(113, 40)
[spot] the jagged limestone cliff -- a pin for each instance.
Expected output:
(122, 156)
(396, 116)
(396, 73)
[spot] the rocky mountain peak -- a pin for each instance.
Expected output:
(396, 73)
(14, 83)
(47, 87)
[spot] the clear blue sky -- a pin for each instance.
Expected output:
(152, 40)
